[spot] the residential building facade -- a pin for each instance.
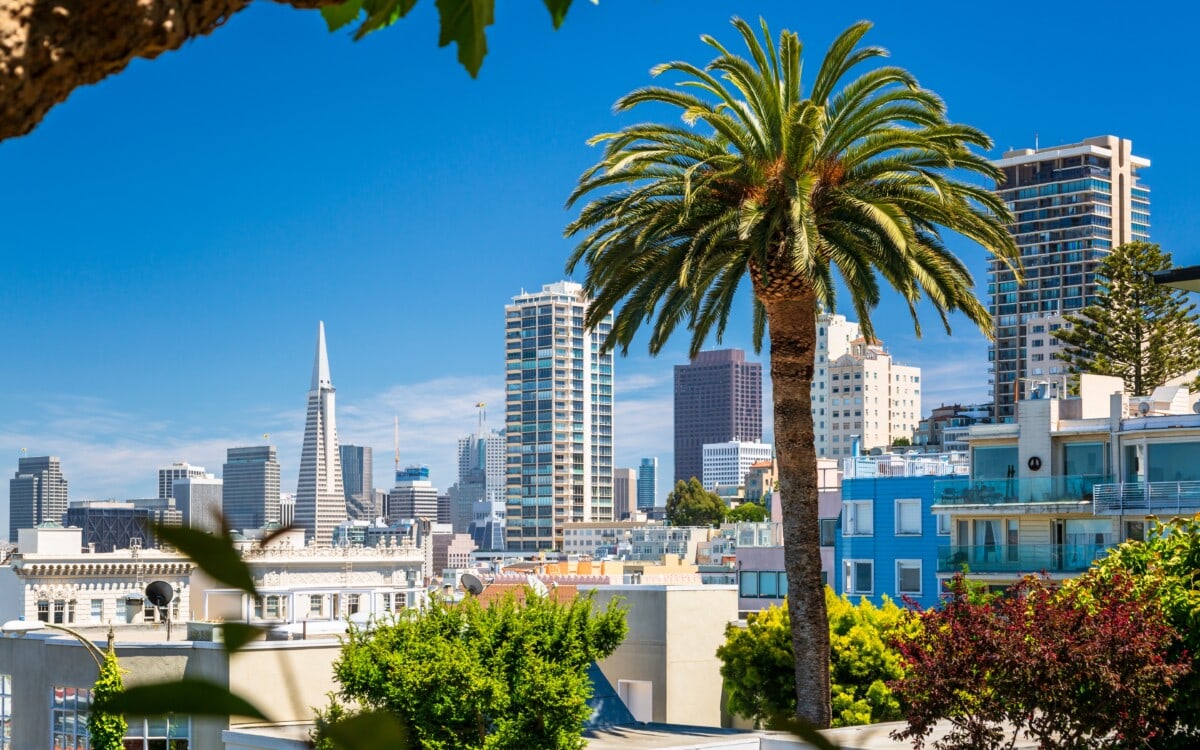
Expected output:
(834, 334)
(873, 401)
(1071, 204)
(37, 493)
(558, 416)
(320, 496)
(725, 465)
(718, 398)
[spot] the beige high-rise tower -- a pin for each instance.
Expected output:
(1072, 205)
(320, 499)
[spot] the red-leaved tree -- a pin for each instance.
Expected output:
(1082, 667)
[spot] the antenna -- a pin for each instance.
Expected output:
(396, 438)
(1035, 140)
(482, 416)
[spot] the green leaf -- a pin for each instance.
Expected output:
(373, 730)
(214, 554)
(337, 16)
(186, 696)
(463, 22)
(558, 10)
(383, 13)
(238, 634)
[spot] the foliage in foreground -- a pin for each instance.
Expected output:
(689, 504)
(747, 512)
(760, 677)
(106, 731)
(1087, 666)
(1137, 330)
(512, 675)
(1166, 567)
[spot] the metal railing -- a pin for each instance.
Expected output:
(1020, 558)
(1072, 488)
(1175, 498)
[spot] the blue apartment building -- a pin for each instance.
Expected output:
(887, 536)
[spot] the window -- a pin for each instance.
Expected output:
(828, 527)
(43, 610)
(1135, 530)
(97, 610)
(943, 524)
(120, 609)
(908, 517)
(160, 733)
(908, 577)
(748, 583)
(68, 717)
(316, 605)
(5, 712)
(860, 576)
(859, 518)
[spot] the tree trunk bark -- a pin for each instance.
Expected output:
(792, 326)
(48, 48)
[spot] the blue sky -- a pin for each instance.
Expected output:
(170, 237)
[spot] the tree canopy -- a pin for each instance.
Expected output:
(747, 512)
(509, 676)
(1137, 330)
(689, 504)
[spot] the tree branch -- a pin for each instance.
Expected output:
(48, 48)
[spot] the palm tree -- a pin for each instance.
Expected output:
(856, 180)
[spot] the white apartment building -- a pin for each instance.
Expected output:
(872, 400)
(726, 464)
(834, 334)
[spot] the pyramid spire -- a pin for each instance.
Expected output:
(320, 378)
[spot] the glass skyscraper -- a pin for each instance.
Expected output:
(647, 480)
(558, 417)
(1072, 205)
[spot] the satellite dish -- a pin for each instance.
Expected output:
(538, 587)
(472, 584)
(1144, 408)
(1196, 407)
(160, 593)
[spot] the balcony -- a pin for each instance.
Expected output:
(1148, 498)
(1021, 558)
(1062, 489)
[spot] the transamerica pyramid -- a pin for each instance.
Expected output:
(320, 501)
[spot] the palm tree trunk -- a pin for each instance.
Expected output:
(792, 326)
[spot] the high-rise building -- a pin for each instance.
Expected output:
(320, 498)
(718, 397)
(357, 482)
(480, 476)
(168, 474)
(414, 496)
(250, 495)
(558, 416)
(37, 493)
(625, 484)
(199, 500)
(1072, 205)
(726, 464)
(111, 525)
(647, 483)
(834, 334)
(872, 400)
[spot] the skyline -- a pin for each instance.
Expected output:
(180, 227)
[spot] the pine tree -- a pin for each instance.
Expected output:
(1136, 330)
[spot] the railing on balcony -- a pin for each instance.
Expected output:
(1174, 498)
(1073, 488)
(1020, 558)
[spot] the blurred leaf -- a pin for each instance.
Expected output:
(337, 16)
(187, 696)
(214, 554)
(803, 730)
(238, 634)
(383, 13)
(464, 22)
(558, 10)
(275, 534)
(373, 730)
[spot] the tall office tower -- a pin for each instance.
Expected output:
(726, 464)
(624, 492)
(558, 416)
(872, 400)
(834, 334)
(167, 475)
(480, 476)
(647, 483)
(1072, 205)
(357, 482)
(250, 496)
(718, 397)
(320, 499)
(414, 496)
(37, 493)
(199, 500)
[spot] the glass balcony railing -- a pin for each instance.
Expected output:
(1021, 558)
(1061, 489)
(1158, 498)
